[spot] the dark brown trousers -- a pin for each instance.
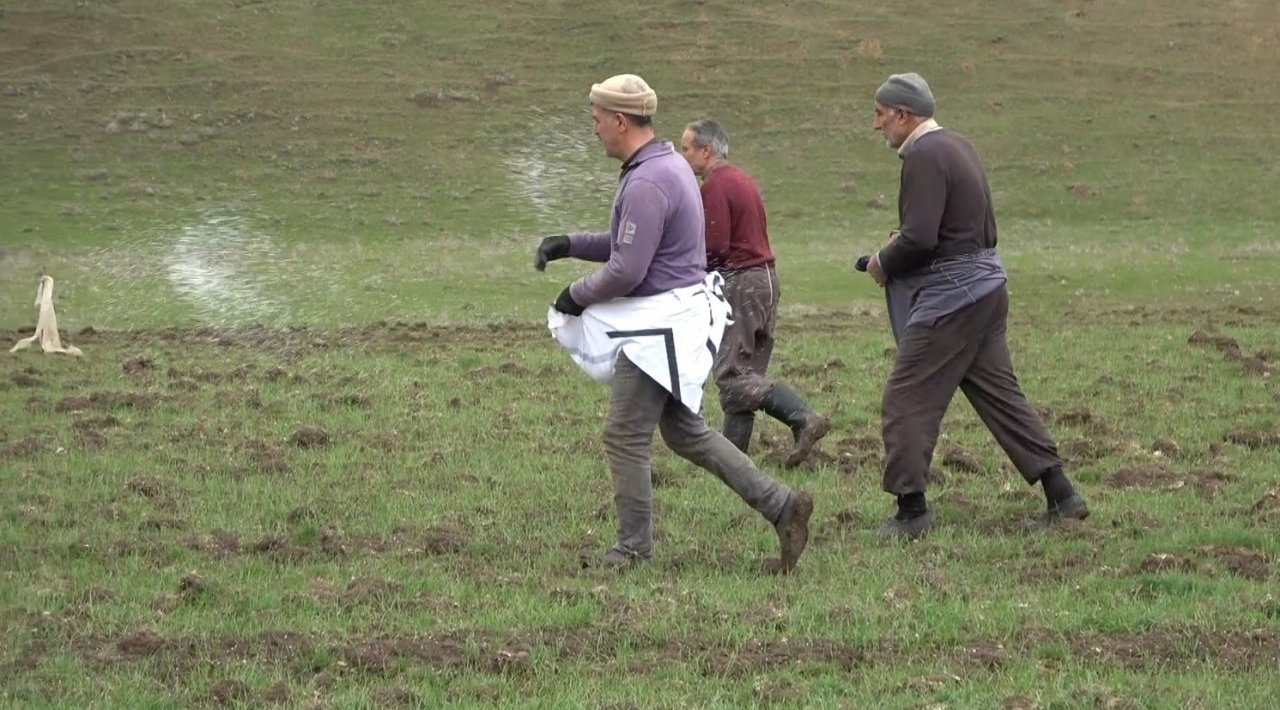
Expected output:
(742, 362)
(967, 349)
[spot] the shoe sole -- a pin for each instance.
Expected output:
(794, 535)
(809, 436)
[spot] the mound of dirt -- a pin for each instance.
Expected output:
(1139, 477)
(309, 437)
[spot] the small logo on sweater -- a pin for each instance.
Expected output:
(628, 232)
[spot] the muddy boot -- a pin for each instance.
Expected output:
(737, 429)
(793, 529)
(618, 558)
(807, 426)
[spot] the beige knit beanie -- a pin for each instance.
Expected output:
(625, 93)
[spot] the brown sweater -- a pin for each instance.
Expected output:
(944, 204)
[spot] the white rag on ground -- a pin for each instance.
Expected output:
(46, 324)
(672, 336)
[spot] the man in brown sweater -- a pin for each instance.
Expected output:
(738, 247)
(948, 307)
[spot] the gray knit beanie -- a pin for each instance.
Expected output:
(910, 91)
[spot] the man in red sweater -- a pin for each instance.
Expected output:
(738, 247)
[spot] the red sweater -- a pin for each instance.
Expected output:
(737, 237)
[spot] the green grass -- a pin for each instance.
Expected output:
(309, 246)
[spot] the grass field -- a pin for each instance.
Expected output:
(322, 452)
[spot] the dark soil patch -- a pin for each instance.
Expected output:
(265, 458)
(73, 404)
(1069, 567)
(1162, 648)
(309, 437)
(784, 693)
(228, 692)
(1080, 416)
(370, 590)
(1250, 564)
(762, 656)
(838, 525)
(145, 642)
(26, 379)
(1253, 439)
(988, 655)
(137, 365)
(1207, 483)
(1166, 562)
(219, 543)
(443, 540)
(277, 694)
(22, 448)
(358, 401)
(1139, 477)
(1085, 451)
(1270, 501)
(394, 698)
(192, 585)
(37, 404)
(957, 458)
(96, 423)
(106, 400)
(145, 486)
(1259, 364)
(1167, 447)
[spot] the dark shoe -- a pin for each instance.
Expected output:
(615, 558)
(793, 529)
(737, 429)
(1073, 508)
(910, 529)
(815, 427)
(806, 425)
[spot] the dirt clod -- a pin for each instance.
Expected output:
(22, 448)
(277, 694)
(309, 437)
(1166, 562)
(192, 585)
(145, 642)
(1253, 439)
(1167, 447)
(957, 458)
(137, 365)
(1138, 477)
(227, 692)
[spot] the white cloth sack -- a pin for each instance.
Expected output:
(46, 324)
(672, 336)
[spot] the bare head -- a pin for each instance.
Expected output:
(704, 144)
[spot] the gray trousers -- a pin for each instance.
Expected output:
(637, 406)
(966, 349)
(747, 345)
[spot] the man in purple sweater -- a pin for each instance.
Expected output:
(948, 307)
(655, 245)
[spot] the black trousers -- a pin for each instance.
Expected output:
(967, 349)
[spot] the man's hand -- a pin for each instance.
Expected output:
(566, 305)
(551, 248)
(877, 271)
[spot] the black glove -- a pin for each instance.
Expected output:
(566, 305)
(861, 264)
(551, 248)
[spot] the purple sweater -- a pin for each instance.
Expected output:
(655, 241)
